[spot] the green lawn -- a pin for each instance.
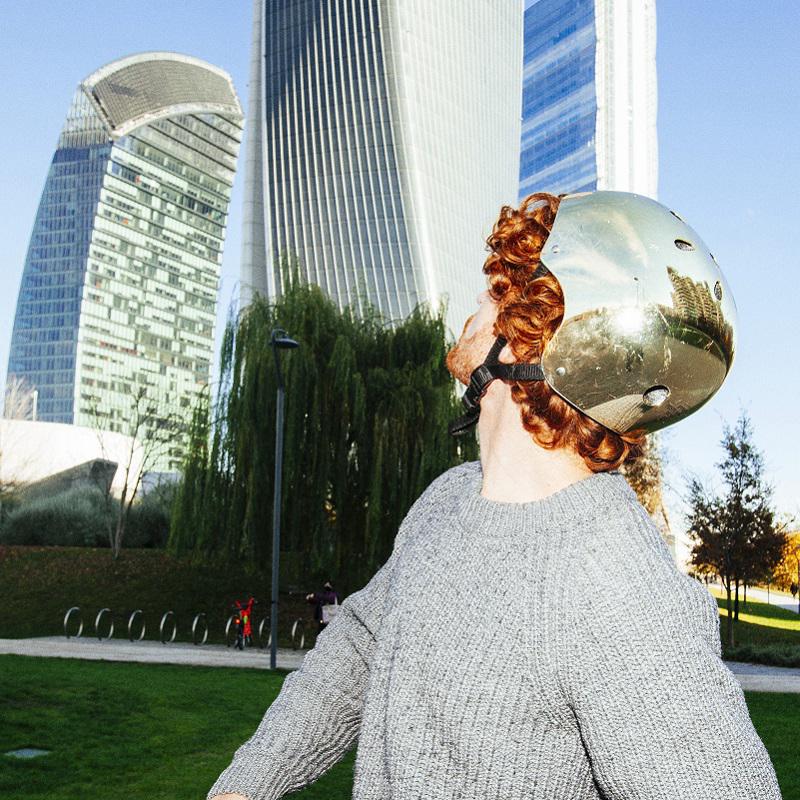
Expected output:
(119, 730)
(132, 731)
(764, 633)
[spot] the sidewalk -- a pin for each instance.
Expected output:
(752, 677)
(207, 655)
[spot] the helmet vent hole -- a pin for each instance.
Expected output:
(655, 396)
(682, 244)
(677, 216)
(718, 290)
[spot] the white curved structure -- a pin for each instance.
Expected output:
(31, 451)
(383, 138)
(119, 289)
(140, 89)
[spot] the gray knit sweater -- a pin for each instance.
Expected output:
(547, 650)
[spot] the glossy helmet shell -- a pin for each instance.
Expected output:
(649, 327)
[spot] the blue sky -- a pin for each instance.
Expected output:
(729, 163)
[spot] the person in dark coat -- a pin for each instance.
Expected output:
(325, 597)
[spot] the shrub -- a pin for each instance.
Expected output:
(148, 523)
(75, 517)
(778, 654)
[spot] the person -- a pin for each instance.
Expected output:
(320, 599)
(530, 634)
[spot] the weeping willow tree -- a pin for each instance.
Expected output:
(366, 412)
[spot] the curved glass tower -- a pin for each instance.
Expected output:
(383, 138)
(119, 288)
(589, 97)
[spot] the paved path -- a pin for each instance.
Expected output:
(752, 677)
(207, 655)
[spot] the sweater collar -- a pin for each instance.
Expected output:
(580, 499)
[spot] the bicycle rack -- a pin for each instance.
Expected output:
(301, 623)
(201, 617)
(97, 624)
(261, 643)
(80, 622)
(164, 619)
(131, 619)
(230, 638)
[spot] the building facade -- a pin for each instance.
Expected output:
(589, 97)
(382, 141)
(119, 289)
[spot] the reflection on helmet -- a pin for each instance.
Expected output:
(648, 333)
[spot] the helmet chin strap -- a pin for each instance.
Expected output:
(480, 379)
(491, 369)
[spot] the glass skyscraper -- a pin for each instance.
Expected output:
(589, 97)
(119, 289)
(383, 139)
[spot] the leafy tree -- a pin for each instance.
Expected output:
(736, 534)
(787, 572)
(152, 432)
(367, 407)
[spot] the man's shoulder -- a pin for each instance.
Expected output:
(440, 494)
(619, 541)
(624, 560)
(450, 483)
(452, 478)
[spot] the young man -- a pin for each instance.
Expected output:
(530, 635)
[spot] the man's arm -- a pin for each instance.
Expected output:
(316, 717)
(660, 714)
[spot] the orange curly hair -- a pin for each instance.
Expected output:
(528, 315)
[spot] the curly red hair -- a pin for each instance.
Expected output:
(529, 313)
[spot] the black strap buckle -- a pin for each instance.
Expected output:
(478, 383)
(480, 379)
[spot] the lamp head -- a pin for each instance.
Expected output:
(279, 338)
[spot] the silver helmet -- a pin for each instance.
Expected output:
(649, 326)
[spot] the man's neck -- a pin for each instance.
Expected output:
(515, 468)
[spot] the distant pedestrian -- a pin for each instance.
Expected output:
(325, 603)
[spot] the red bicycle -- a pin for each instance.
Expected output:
(242, 622)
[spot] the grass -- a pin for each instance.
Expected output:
(161, 731)
(764, 633)
(138, 731)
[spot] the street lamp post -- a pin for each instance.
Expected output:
(278, 340)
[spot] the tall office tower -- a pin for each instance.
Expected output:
(119, 289)
(382, 140)
(589, 97)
